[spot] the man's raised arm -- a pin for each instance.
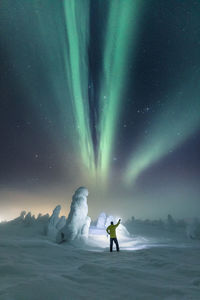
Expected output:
(118, 223)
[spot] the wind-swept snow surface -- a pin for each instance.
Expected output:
(158, 265)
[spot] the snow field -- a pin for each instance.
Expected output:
(34, 268)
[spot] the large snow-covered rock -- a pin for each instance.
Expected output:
(78, 222)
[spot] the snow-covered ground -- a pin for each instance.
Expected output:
(162, 265)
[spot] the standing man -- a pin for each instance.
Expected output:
(111, 230)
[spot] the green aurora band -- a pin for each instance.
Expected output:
(173, 125)
(77, 28)
(40, 34)
(120, 40)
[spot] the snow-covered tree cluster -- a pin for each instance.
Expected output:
(27, 219)
(78, 224)
(191, 228)
(57, 228)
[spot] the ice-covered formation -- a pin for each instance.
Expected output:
(54, 219)
(78, 222)
(19, 219)
(29, 219)
(85, 228)
(22, 214)
(42, 218)
(108, 220)
(53, 223)
(61, 223)
(101, 221)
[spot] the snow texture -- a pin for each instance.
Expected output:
(158, 264)
(78, 222)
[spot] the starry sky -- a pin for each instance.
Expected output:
(102, 94)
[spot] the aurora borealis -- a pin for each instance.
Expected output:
(77, 28)
(120, 35)
(170, 133)
(104, 94)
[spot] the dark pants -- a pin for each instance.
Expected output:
(116, 243)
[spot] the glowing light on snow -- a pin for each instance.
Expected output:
(98, 238)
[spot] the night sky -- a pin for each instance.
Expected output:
(102, 94)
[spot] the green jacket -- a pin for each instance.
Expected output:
(112, 230)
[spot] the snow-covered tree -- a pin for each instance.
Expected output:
(77, 223)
